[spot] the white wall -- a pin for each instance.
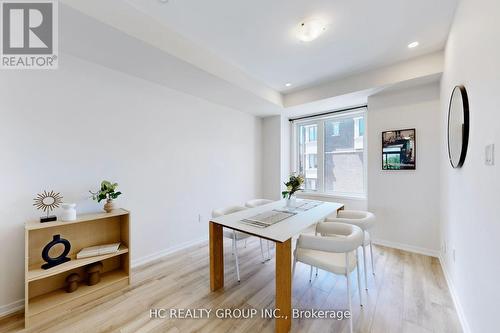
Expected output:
(271, 157)
(406, 202)
(286, 156)
(471, 195)
(175, 156)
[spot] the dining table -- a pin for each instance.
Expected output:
(281, 233)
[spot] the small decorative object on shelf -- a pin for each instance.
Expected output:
(69, 212)
(47, 202)
(72, 282)
(293, 185)
(94, 271)
(51, 262)
(107, 192)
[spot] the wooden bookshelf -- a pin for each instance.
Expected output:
(45, 296)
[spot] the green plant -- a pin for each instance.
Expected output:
(293, 185)
(107, 191)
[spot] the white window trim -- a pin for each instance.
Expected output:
(320, 139)
(350, 196)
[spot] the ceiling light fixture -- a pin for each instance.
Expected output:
(310, 29)
(412, 45)
(288, 84)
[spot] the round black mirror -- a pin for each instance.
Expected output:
(458, 126)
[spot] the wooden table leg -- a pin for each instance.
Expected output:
(284, 286)
(216, 256)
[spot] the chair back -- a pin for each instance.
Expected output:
(362, 219)
(353, 214)
(257, 202)
(227, 210)
(352, 238)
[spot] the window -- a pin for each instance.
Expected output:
(361, 126)
(330, 153)
(336, 129)
(313, 133)
(308, 147)
(313, 161)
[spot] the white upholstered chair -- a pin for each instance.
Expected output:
(364, 220)
(336, 251)
(236, 236)
(256, 203)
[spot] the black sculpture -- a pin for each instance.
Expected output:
(51, 262)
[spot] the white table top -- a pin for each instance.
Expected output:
(283, 230)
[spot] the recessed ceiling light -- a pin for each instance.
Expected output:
(310, 29)
(288, 84)
(412, 45)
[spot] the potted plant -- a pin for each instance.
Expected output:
(293, 185)
(108, 192)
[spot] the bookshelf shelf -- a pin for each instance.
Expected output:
(59, 297)
(36, 273)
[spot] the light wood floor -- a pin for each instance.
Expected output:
(407, 294)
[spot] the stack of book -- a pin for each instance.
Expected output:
(98, 250)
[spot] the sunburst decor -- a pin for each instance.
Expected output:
(47, 202)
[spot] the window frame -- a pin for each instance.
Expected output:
(320, 122)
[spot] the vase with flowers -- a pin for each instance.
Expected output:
(293, 184)
(107, 192)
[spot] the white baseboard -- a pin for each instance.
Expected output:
(157, 255)
(454, 297)
(409, 248)
(7, 309)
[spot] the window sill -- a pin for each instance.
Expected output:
(359, 197)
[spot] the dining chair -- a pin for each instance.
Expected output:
(364, 220)
(256, 203)
(236, 236)
(335, 251)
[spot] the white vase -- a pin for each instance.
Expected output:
(290, 202)
(69, 212)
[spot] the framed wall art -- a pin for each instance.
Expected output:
(399, 150)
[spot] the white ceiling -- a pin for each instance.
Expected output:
(258, 35)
